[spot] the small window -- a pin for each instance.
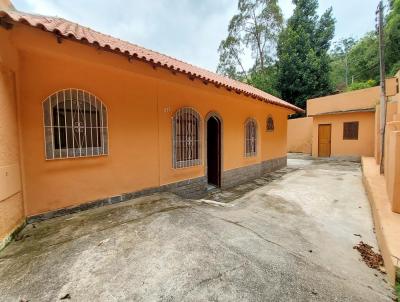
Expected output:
(270, 124)
(350, 131)
(250, 138)
(75, 125)
(186, 138)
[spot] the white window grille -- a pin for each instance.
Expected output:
(186, 127)
(250, 138)
(75, 125)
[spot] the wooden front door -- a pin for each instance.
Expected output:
(324, 140)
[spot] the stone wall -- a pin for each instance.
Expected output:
(237, 176)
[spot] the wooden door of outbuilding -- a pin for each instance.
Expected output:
(324, 140)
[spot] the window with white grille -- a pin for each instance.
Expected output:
(75, 125)
(250, 138)
(186, 127)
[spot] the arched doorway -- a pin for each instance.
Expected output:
(214, 150)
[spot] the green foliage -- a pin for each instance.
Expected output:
(303, 60)
(394, 68)
(398, 289)
(392, 38)
(255, 28)
(265, 80)
(361, 61)
(364, 58)
(297, 63)
(230, 64)
(339, 63)
(362, 85)
(363, 55)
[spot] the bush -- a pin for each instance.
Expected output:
(362, 85)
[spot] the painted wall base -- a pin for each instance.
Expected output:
(238, 176)
(192, 188)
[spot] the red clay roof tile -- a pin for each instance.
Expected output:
(72, 30)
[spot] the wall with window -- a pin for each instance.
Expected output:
(344, 140)
(130, 164)
(234, 111)
(140, 102)
(11, 201)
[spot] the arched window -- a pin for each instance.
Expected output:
(270, 124)
(186, 138)
(250, 138)
(75, 125)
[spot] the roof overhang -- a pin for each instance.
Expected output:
(344, 111)
(64, 29)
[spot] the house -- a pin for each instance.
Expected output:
(87, 119)
(340, 125)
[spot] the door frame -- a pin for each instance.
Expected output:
(221, 149)
(330, 137)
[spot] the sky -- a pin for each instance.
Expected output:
(189, 30)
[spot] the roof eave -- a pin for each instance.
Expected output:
(10, 21)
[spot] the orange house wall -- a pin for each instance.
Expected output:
(11, 201)
(140, 103)
(299, 134)
(364, 146)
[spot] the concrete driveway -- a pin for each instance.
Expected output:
(285, 237)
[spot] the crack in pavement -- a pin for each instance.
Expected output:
(287, 250)
(300, 257)
(211, 278)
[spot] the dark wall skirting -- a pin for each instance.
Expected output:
(192, 188)
(237, 176)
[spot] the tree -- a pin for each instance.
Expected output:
(392, 38)
(255, 28)
(361, 60)
(303, 60)
(265, 79)
(340, 65)
(230, 63)
(363, 55)
(364, 58)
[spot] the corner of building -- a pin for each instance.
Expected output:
(387, 223)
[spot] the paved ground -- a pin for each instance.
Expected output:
(286, 237)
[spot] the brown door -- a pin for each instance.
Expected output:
(324, 140)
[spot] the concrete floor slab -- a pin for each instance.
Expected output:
(285, 237)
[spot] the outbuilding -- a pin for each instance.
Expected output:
(87, 119)
(343, 125)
